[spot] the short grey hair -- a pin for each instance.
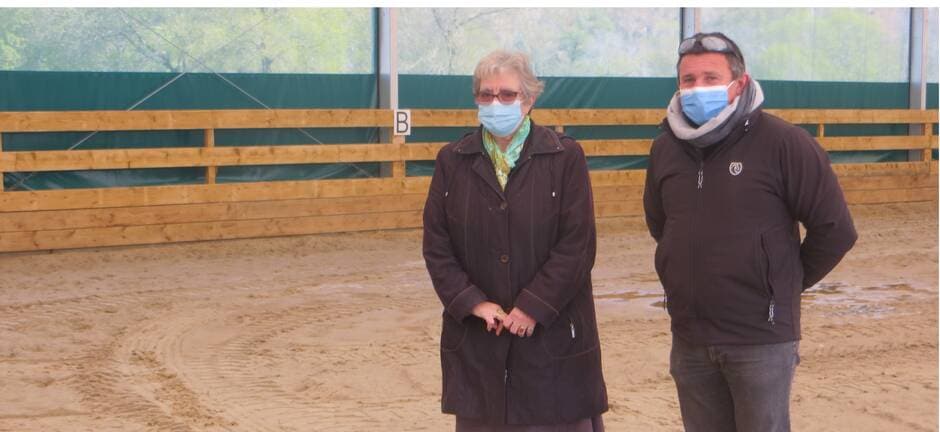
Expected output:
(501, 61)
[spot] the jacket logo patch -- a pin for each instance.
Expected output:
(735, 168)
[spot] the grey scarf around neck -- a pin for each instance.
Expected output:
(719, 126)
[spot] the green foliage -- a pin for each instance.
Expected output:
(188, 40)
(834, 44)
(561, 42)
(817, 44)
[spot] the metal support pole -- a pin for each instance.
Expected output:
(387, 73)
(689, 22)
(917, 72)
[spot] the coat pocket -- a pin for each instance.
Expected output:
(781, 249)
(677, 302)
(560, 338)
(659, 261)
(453, 333)
(780, 273)
(569, 336)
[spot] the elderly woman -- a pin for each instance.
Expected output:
(509, 226)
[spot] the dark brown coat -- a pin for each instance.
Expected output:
(530, 247)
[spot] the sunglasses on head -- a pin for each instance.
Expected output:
(709, 42)
(505, 97)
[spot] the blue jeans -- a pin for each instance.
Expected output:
(734, 388)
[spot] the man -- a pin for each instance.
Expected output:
(726, 187)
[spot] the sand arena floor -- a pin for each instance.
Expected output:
(340, 333)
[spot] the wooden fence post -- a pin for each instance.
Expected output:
(398, 165)
(1, 158)
(209, 141)
(928, 132)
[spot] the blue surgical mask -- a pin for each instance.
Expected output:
(501, 120)
(701, 104)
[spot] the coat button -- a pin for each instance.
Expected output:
(503, 205)
(504, 258)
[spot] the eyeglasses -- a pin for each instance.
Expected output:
(709, 43)
(506, 97)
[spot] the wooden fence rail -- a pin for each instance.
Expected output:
(58, 219)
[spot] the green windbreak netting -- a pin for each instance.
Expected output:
(423, 91)
(64, 91)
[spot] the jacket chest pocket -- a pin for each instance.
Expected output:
(536, 203)
(455, 207)
(461, 204)
(472, 222)
(456, 202)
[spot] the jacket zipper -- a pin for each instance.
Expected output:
(770, 289)
(701, 178)
(770, 312)
(701, 173)
(771, 307)
(506, 400)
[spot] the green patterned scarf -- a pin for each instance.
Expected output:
(504, 162)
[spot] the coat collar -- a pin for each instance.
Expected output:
(747, 123)
(540, 140)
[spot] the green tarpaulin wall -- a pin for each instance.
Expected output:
(38, 91)
(422, 91)
(63, 91)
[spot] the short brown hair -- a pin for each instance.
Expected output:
(734, 57)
